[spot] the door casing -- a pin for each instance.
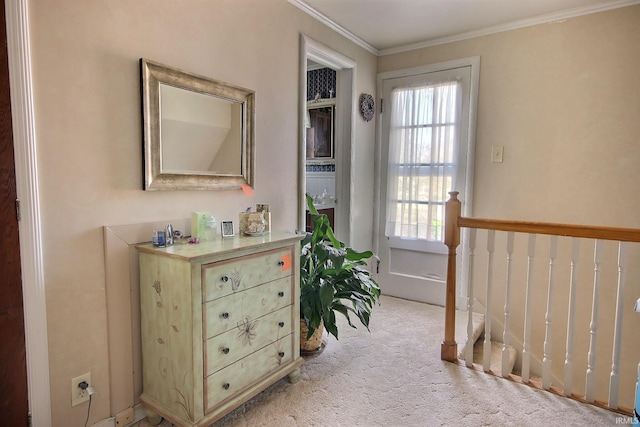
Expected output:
(32, 264)
(345, 94)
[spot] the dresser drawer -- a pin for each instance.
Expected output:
(225, 314)
(224, 278)
(231, 380)
(249, 336)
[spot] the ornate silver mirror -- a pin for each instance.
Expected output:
(198, 133)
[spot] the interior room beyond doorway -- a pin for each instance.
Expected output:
(320, 162)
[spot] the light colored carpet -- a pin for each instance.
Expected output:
(394, 377)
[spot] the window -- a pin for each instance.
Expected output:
(423, 141)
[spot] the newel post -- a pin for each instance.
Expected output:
(453, 208)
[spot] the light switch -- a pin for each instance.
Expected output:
(496, 153)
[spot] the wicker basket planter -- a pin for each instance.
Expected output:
(315, 342)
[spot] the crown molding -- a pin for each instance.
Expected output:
(514, 25)
(300, 4)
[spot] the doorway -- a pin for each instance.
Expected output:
(426, 145)
(26, 176)
(13, 358)
(320, 124)
(340, 101)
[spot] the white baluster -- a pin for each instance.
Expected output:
(546, 360)
(470, 299)
(590, 387)
(526, 345)
(486, 359)
(506, 332)
(614, 378)
(568, 361)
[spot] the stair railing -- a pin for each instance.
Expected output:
(454, 222)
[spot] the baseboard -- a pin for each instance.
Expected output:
(107, 422)
(139, 414)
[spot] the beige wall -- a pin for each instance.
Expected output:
(564, 101)
(87, 97)
(541, 96)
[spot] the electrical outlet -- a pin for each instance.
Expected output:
(79, 395)
(125, 417)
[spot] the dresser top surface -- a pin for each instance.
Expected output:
(221, 245)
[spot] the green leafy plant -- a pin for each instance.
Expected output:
(333, 278)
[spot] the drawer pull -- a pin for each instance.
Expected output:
(281, 324)
(281, 354)
(233, 278)
(281, 263)
(225, 315)
(225, 350)
(226, 386)
(280, 294)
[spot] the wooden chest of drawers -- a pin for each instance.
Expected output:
(220, 323)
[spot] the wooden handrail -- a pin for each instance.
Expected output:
(568, 230)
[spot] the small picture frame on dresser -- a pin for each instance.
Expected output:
(227, 229)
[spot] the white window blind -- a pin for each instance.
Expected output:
(423, 145)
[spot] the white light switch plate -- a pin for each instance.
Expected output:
(496, 153)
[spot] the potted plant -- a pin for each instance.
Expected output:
(333, 278)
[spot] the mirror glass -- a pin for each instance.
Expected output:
(320, 132)
(198, 132)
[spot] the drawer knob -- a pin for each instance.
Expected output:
(225, 315)
(226, 386)
(225, 350)
(281, 324)
(280, 294)
(225, 278)
(281, 263)
(281, 354)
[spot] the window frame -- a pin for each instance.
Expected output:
(465, 172)
(423, 100)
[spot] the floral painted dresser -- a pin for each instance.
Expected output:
(219, 324)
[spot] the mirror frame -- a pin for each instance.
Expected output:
(152, 74)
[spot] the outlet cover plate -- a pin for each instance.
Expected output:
(78, 395)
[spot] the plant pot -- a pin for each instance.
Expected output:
(315, 342)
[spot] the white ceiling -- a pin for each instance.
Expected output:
(387, 26)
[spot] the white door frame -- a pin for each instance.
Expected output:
(467, 205)
(24, 142)
(345, 95)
